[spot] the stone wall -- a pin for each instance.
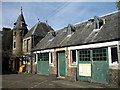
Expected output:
(18, 39)
(53, 67)
(114, 77)
(71, 74)
(71, 71)
(34, 68)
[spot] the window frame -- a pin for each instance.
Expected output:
(110, 55)
(51, 58)
(35, 58)
(14, 46)
(15, 33)
(43, 57)
(28, 49)
(82, 55)
(100, 54)
(25, 42)
(91, 56)
(72, 57)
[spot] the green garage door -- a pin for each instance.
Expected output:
(61, 57)
(93, 65)
(43, 64)
(100, 67)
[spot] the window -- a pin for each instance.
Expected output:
(20, 33)
(28, 45)
(96, 25)
(24, 43)
(73, 54)
(114, 55)
(28, 59)
(51, 58)
(14, 33)
(98, 22)
(84, 55)
(35, 58)
(14, 44)
(43, 57)
(100, 54)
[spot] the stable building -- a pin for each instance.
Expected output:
(87, 51)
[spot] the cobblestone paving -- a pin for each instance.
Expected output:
(40, 81)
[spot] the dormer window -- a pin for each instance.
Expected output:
(52, 35)
(98, 22)
(71, 29)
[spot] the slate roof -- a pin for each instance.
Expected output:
(84, 34)
(39, 29)
(20, 24)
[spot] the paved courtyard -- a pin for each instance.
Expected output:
(24, 80)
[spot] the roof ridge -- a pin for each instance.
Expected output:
(35, 28)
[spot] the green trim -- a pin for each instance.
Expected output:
(62, 64)
(85, 62)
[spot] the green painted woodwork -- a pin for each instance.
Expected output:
(100, 72)
(43, 63)
(61, 56)
(100, 69)
(43, 67)
(43, 57)
(100, 65)
(84, 60)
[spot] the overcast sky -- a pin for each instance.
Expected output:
(58, 14)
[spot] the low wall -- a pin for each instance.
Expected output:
(71, 74)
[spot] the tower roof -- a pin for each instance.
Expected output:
(20, 23)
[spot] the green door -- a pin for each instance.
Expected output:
(43, 67)
(100, 67)
(84, 60)
(43, 64)
(61, 57)
(98, 59)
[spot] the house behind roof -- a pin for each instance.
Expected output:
(24, 41)
(36, 33)
(88, 51)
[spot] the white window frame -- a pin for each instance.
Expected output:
(110, 56)
(72, 58)
(50, 58)
(36, 55)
